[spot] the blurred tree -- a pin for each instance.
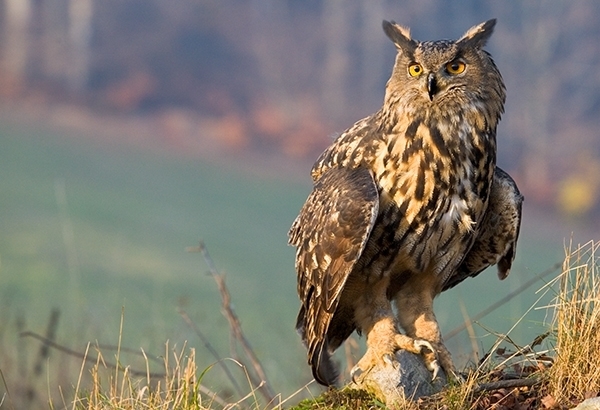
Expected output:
(293, 72)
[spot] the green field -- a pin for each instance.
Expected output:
(93, 229)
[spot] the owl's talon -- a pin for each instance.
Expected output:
(388, 359)
(420, 344)
(434, 367)
(355, 374)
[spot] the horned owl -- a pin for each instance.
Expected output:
(406, 203)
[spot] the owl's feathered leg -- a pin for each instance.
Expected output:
(415, 315)
(376, 319)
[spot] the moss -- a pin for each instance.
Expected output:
(344, 399)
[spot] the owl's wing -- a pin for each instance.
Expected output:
(497, 239)
(330, 234)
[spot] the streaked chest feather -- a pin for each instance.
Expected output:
(432, 172)
(433, 184)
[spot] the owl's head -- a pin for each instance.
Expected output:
(444, 73)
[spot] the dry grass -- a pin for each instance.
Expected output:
(575, 374)
(524, 377)
(118, 389)
(529, 377)
(564, 375)
(180, 387)
(115, 387)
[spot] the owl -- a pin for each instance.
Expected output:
(406, 203)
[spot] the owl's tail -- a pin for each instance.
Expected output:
(324, 369)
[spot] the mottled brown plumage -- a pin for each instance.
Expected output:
(406, 203)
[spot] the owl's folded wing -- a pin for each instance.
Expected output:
(497, 239)
(330, 235)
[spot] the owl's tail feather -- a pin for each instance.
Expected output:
(324, 369)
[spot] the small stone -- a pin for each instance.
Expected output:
(406, 377)
(589, 404)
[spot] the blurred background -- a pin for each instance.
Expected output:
(131, 129)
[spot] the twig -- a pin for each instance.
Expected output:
(213, 396)
(260, 379)
(240, 401)
(104, 347)
(262, 383)
(502, 301)
(305, 387)
(10, 400)
(471, 332)
(50, 334)
(87, 349)
(87, 358)
(506, 384)
(211, 349)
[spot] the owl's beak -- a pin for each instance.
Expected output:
(432, 87)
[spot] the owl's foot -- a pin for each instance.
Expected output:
(446, 363)
(382, 353)
(429, 354)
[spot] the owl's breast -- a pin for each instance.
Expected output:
(433, 193)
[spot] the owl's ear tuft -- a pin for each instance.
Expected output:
(400, 36)
(478, 35)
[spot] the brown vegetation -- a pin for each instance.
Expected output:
(557, 370)
(575, 372)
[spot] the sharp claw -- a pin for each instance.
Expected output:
(434, 366)
(355, 374)
(387, 358)
(435, 369)
(424, 343)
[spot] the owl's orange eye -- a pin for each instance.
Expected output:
(455, 67)
(415, 69)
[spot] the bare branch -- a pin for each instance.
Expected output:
(50, 343)
(50, 335)
(504, 300)
(259, 379)
(506, 384)
(211, 349)
(104, 347)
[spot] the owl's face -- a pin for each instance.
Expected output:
(445, 74)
